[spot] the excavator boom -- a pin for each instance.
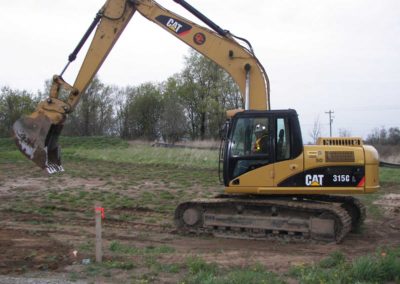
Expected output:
(36, 135)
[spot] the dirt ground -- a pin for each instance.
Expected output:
(33, 243)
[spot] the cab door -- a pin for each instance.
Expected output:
(250, 151)
(288, 149)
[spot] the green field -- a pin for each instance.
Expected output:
(152, 181)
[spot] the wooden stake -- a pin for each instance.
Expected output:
(99, 247)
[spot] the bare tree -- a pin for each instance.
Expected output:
(344, 132)
(315, 133)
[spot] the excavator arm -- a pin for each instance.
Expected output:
(37, 134)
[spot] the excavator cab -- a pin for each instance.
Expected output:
(259, 138)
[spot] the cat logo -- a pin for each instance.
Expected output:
(314, 180)
(174, 25)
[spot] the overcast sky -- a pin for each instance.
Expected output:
(320, 55)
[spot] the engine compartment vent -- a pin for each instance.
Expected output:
(339, 156)
(340, 141)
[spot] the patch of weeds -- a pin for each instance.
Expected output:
(31, 208)
(104, 268)
(151, 220)
(147, 197)
(112, 264)
(118, 247)
(149, 277)
(34, 222)
(87, 246)
(76, 197)
(52, 258)
(202, 272)
(73, 276)
(256, 274)
(333, 260)
(31, 255)
(389, 176)
(373, 210)
(143, 236)
(166, 195)
(170, 267)
(165, 208)
(127, 217)
(381, 267)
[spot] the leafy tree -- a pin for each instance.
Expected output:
(173, 123)
(14, 104)
(142, 112)
(94, 114)
(207, 91)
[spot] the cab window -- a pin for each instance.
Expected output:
(282, 147)
(251, 137)
(250, 145)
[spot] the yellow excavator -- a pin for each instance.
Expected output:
(275, 187)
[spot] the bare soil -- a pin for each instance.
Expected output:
(34, 242)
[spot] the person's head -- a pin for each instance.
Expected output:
(260, 130)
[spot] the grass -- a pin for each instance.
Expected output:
(7, 144)
(104, 268)
(381, 267)
(201, 272)
(117, 150)
(88, 142)
(389, 176)
(146, 155)
(77, 198)
(118, 247)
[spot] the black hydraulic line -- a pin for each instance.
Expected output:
(246, 41)
(389, 165)
(74, 53)
(202, 17)
(92, 26)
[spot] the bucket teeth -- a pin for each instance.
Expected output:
(37, 139)
(52, 168)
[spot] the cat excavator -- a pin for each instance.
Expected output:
(275, 187)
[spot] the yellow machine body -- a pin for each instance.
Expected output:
(266, 179)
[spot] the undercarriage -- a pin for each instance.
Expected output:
(294, 218)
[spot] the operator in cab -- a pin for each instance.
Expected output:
(261, 144)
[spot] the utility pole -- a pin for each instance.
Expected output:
(330, 112)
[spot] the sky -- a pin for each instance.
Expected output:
(319, 55)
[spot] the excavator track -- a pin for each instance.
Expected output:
(294, 218)
(352, 205)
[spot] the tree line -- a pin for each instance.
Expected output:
(378, 136)
(188, 105)
(383, 136)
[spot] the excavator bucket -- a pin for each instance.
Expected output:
(37, 139)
